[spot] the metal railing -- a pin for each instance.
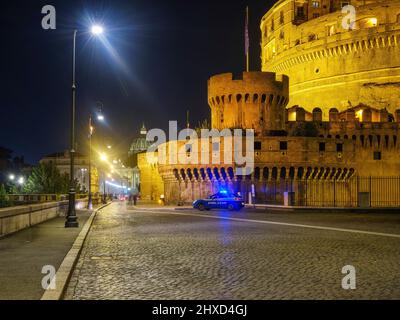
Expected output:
(26, 199)
(353, 192)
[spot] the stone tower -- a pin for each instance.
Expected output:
(255, 101)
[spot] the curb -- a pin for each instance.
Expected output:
(66, 268)
(158, 208)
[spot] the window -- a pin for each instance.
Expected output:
(315, 4)
(257, 145)
(281, 18)
(300, 12)
(283, 145)
(312, 37)
(215, 146)
(282, 35)
(339, 147)
(377, 155)
(315, 15)
(322, 147)
(272, 25)
(297, 42)
(331, 31)
(188, 148)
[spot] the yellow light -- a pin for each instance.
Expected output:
(359, 114)
(373, 21)
(109, 175)
(103, 157)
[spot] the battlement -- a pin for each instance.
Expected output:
(259, 82)
(256, 100)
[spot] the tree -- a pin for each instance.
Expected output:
(47, 179)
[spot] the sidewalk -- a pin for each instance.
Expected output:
(23, 255)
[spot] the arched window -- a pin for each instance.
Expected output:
(312, 37)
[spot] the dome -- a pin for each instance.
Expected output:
(139, 143)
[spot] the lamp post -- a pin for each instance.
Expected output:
(72, 220)
(90, 205)
(100, 117)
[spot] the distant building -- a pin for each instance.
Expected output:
(61, 160)
(10, 165)
(138, 145)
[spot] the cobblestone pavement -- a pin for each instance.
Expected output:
(138, 254)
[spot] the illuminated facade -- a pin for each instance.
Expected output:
(330, 137)
(332, 66)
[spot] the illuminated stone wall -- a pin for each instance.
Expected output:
(255, 100)
(329, 66)
(151, 184)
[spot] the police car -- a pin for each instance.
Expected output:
(220, 200)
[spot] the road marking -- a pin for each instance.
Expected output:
(390, 235)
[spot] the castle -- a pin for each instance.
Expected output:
(332, 59)
(325, 112)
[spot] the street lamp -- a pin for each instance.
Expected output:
(11, 177)
(21, 181)
(72, 220)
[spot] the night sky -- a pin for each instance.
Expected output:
(164, 52)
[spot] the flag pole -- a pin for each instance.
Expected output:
(247, 41)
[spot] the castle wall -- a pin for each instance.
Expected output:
(151, 183)
(255, 101)
(329, 66)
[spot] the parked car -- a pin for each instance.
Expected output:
(220, 200)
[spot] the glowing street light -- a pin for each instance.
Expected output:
(21, 180)
(103, 157)
(97, 30)
(11, 177)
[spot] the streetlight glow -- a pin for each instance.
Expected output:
(97, 30)
(11, 177)
(21, 180)
(100, 117)
(103, 157)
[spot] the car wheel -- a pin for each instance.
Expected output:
(201, 207)
(208, 209)
(231, 207)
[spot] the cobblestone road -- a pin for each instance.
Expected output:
(137, 254)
